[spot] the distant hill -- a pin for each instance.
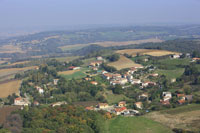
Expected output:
(50, 43)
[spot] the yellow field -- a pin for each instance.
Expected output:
(152, 52)
(124, 62)
(111, 43)
(9, 88)
(10, 49)
(68, 72)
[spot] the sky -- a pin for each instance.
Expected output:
(47, 13)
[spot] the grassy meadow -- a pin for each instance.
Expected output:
(185, 117)
(122, 124)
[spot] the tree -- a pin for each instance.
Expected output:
(117, 89)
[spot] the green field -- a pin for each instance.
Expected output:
(170, 74)
(76, 75)
(174, 62)
(184, 117)
(134, 125)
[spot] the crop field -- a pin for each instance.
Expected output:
(6, 111)
(134, 125)
(9, 88)
(111, 43)
(10, 49)
(151, 52)
(66, 59)
(123, 62)
(73, 47)
(186, 117)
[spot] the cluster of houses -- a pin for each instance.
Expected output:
(116, 78)
(119, 109)
(182, 98)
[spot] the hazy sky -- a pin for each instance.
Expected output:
(34, 13)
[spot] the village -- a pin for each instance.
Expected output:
(134, 76)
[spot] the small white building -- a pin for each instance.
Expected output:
(135, 81)
(40, 90)
(55, 81)
(166, 96)
(58, 103)
(176, 56)
(99, 58)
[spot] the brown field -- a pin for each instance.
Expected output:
(19, 63)
(111, 43)
(10, 49)
(8, 71)
(74, 47)
(66, 59)
(9, 88)
(1, 62)
(185, 119)
(152, 52)
(123, 62)
(68, 72)
(6, 111)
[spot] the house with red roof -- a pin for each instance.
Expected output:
(120, 110)
(21, 101)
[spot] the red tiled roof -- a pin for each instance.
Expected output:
(18, 98)
(120, 109)
(89, 108)
(181, 101)
(180, 95)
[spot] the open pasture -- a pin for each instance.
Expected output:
(134, 125)
(124, 62)
(186, 117)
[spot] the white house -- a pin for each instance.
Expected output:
(135, 81)
(21, 101)
(167, 96)
(40, 90)
(55, 81)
